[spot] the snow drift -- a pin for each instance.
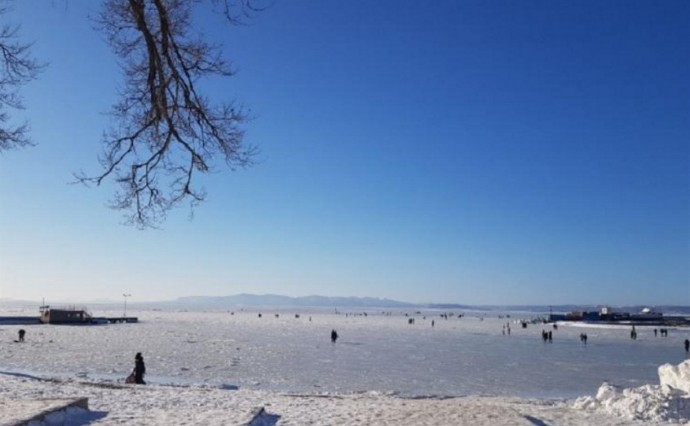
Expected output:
(667, 401)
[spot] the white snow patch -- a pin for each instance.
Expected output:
(667, 402)
(676, 376)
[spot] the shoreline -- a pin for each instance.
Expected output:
(161, 405)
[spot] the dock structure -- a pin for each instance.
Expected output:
(19, 320)
(90, 321)
(115, 320)
(65, 316)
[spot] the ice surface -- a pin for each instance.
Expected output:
(459, 356)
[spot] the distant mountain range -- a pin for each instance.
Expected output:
(287, 301)
(274, 300)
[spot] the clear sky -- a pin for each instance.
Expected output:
(481, 152)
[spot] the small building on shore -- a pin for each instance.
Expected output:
(69, 315)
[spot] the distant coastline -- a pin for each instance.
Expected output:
(316, 301)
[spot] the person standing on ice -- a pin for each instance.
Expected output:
(334, 336)
(21, 335)
(687, 345)
(139, 369)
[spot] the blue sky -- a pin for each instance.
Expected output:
(482, 152)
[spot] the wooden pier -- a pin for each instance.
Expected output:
(19, 320)
(16, 320)
(115, 320)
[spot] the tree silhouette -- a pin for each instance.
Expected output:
(16, 69)
(163, 131)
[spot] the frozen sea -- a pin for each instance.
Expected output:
(377, 352)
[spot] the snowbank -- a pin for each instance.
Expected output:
(667, 402)
(676, 376)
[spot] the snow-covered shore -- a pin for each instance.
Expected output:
(199, 405)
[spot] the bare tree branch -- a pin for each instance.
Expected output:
(236, 12)
(166, 129)
(16, 69)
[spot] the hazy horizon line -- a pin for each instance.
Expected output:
(181, 300)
